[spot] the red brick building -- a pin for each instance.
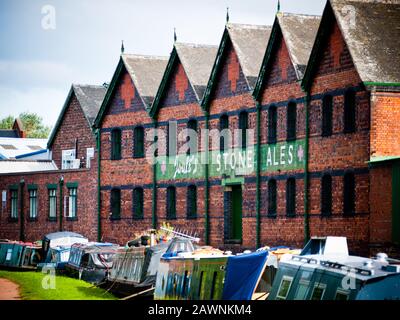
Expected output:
(64, 196)
(318, 153)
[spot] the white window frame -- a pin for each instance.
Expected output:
(343, 292)
(319, 286)
(72, 202)
(33, 203)
(284, 278)
(14, 204)
(52, 193)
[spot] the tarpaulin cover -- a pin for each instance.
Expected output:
(242, 273)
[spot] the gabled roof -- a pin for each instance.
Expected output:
(299, 32)
(197, 61)
(249, 43)
(146, 73)
(89, 97)
(372, 34)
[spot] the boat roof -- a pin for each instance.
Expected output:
(63, 234)
(96, 247)
(364, 269)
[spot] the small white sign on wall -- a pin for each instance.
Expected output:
(4, 196)
(89, 156)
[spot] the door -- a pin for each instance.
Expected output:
(233, 214)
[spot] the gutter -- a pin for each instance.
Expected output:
(306, 180)
(61, 182)
(154, 202)
(207, 186)
(22, 224)
(258, 169)
(98, 141)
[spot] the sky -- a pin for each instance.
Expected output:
(48, 45)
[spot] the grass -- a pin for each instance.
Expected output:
(65, 288)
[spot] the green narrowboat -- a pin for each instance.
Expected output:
(15, 255)
(211, 276)
(325, 271)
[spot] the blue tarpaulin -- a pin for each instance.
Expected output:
(242, 273)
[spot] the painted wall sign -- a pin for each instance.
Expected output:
(234, 162)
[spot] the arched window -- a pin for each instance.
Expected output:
(272, 198)
(138, 142)
(116, 144)
(192, 125)
(191, 202)
(171, 202)
(291, 197)
(272, 124)
(138, 203)
(349, 111)
(326, 195)
(115, 203)
(327, 105)
(244, 125)
(224, 138)
(291, 121)
(349, 194)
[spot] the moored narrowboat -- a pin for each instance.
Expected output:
(17, 255)
(325, 271)
(135, 268)
(91, 261)
(210, 274)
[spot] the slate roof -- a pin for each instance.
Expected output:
(374, 38)
(90, 98)
(8, 133)
(249, 42)
(146, 73)
(197, 61)
(299, 32)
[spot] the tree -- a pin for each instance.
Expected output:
(32, 122)
(7, 122)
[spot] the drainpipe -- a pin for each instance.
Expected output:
(258, 178)
(98, 136)
(22, 224)
(61, 183)
(207, 185)
(154, 202)
(306, 182)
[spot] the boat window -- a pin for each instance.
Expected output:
(341, 295)
(214, 282)
(302, 290)
(318, 292)
(284, 288)
(9, 253)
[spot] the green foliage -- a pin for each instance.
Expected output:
(66, 288)
(32, 122)
(7, 122)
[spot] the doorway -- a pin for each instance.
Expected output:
(233, 199)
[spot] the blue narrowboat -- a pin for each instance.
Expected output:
(324, 270)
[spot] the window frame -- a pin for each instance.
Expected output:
(191, 202)
(272, 209)
(327, 115)
(284, 278)
(138, 198)
(291, 121)
(243, 126)
(33, 204)
(290, 197)
(14, 204)
(113, 193)
(50, 199)
(116, 144)
(72, 203)
(171, 215)
(193, 125)
(349, 111)
(349, 194)
(223, 124)
(326, 196)
(138, 142)
(272, 132)
(318, 285)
